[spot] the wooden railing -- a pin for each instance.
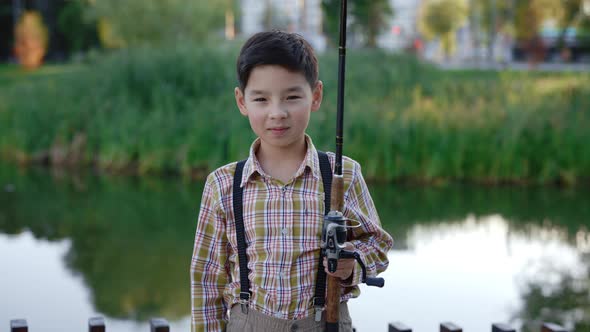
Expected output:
(496, 327)
(96, 324)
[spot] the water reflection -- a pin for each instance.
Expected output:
(558, 293)
(35, 285)
(130, 240)
(466, 254)
(34, 278)
(467, 271)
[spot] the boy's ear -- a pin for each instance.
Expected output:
(240, 101)
(317, 95)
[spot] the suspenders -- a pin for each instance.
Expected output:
(245, 293)
(241, 237)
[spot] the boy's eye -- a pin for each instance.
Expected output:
(260, 99)
(293, 97)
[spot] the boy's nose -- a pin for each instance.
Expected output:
(278, 112)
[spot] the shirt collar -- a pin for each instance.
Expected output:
(310, 162)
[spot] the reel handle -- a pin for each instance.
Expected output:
(370, 281)
(377, 282)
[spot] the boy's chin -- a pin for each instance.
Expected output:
(282, 142)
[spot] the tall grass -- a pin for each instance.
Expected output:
(172, 111)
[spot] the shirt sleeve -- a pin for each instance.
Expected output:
(370, 240)
(208, 266)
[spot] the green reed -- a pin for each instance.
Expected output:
(172, 111)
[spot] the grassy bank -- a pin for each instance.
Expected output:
(172, 111)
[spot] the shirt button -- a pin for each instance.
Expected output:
(285, 231)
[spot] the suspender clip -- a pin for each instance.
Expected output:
(318, 309)
(244, 301)
(318, 313)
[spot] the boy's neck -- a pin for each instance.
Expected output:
(281, 162)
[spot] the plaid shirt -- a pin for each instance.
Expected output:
(283, 226)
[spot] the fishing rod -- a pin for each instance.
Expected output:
(334, 227)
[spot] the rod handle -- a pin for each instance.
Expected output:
(377, 282)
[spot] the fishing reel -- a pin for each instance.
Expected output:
(333, 238)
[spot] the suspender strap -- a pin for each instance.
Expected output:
(320, 289)
(241, 236)
(326, 170)
(320, 286)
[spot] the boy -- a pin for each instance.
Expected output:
(283, 205)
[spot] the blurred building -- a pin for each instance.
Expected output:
(305, 17)
(403, 35)
(301, 16)
(402, 31)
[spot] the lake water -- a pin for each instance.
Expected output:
(78, 246)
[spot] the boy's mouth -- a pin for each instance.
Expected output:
(278, 130)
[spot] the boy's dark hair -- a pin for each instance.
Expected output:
(288, 50)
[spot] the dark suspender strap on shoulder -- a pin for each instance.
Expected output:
(320, 286)
(326, 170)
(241, 236)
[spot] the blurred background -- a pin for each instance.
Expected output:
(470, 118)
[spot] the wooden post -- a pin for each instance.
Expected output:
(159, 325)
(449, 327)
(19, 325)
(499, 327)
(96, 324)
(550, 327)
(398, 327)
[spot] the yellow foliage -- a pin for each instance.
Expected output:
(441, 19)
(108, 36)
(30, 40)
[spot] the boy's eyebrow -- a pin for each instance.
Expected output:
(294, 89)
(291, 89)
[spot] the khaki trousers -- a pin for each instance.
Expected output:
(255, 321)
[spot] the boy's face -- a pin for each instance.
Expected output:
(278, 103)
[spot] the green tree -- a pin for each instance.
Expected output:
(565, 13)
(528, 19)
(81, 34)
(133, 22)
(571, 15)
(440, 19)
(369, 17)
(331, 16)
(487, 18)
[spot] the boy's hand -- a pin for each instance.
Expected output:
(345, 265)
